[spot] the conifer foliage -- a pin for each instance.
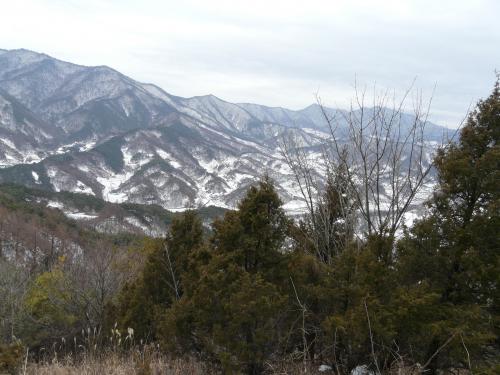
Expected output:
(237, 303)
(451, 258)
(143, 302)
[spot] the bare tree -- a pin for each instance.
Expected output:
(381, 151)
(97, 278)
(14, 282)
(330, 216)
(384, 154)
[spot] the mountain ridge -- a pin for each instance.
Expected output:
(126, 141)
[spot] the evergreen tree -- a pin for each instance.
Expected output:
(449, 262)
(346, 278)
(139, 299)
(359, 326)
(254, 234)
(320, 242)
(233, 312)
(143, 302)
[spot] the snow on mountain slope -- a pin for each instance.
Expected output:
(24, 138)
(175, 166)
(96, 131)
(81, 103)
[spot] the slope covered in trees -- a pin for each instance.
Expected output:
(260, 290)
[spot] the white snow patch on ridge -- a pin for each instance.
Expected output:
(317, 133)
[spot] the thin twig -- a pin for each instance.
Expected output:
(304, 338)
(466, 351)
(371, 337)
(438, 350)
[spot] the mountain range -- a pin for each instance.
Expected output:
(93, 130)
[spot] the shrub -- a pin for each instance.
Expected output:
(10, 358)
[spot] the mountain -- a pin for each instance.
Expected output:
(92, 130)
(81, 103)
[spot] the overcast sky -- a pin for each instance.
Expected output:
(277, 53)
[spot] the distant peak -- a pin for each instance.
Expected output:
(311, 106)
(28, 56)
(210, 97)
(26, 52)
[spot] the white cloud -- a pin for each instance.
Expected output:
(273, 52)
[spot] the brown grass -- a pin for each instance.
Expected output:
(113, 363)
(148, 360)
(116, 364)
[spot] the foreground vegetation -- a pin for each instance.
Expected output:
(263, 293)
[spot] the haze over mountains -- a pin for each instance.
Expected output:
(65, 127)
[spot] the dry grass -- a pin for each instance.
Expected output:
(117, 364)
(149, 360)
(113, 364)
(136, 363)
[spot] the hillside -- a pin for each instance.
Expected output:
(86, 213)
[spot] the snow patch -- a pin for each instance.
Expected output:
(31, 158)
(36, 177)
(82, 188)
(169, 158)
(210, 166)
(317, 133)
(55, 204)
(295, 207)
(137, 223)
(8, 143)
(76, 215)
(79, 215)
(111, 184)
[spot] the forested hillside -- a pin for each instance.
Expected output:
(261, 292)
